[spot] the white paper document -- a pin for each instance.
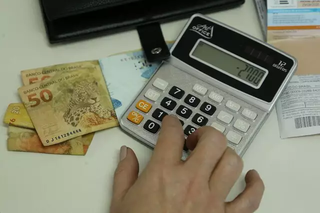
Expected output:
(298, 109)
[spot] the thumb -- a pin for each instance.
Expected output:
(126, 173)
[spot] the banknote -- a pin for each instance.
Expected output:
(32, 76)
(17, 115)
(39, 74)
(27, 140)
(86, 141)
(126, 74)
(68, 105)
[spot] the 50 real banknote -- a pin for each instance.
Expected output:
(32, 76)
(68, 105)
(27, 140)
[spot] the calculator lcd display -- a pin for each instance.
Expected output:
(229, 64)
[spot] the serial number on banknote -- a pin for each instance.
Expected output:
(64, 135)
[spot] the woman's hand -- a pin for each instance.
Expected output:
(198, 185)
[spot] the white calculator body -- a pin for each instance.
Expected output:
(216, 76)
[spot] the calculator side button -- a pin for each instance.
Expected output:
(233, 137)
(216, 97)
(168, 103)
(225, 117)
(192, 100)
(160, 84)
(200, 120)
(241, 125)
(200, 89)
(143, 106)
(184, 111)
(233, 105)
(135, 117)
(208, 108)
(218, 127)
(152, 95)
(189, 130)
(249, 114)
(159, 114)
(176, 92)
(151, 126)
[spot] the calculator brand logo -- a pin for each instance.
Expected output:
(203, 30)
(280, 66)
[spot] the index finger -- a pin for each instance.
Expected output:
(170, 142)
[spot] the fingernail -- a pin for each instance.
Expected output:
(123, 152)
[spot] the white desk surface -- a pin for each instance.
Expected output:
(39, 183)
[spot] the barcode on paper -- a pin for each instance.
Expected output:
(282, 2)
(308, 121)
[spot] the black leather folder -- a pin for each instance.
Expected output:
(68, 20)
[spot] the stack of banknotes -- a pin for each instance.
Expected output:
(63, 105)
(61, 108)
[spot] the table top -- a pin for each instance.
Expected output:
(34, 183)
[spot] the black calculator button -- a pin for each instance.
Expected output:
(168, 103)
(208, 108)
(176, 92)
(182, 123)
(151, 126)
(159, 114)
(189, 130)
(184, 111)
(192, 100)
(199, 120)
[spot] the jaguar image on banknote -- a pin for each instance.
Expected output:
(85, 99)
(68, 105)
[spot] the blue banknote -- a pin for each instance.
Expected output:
(125, 75)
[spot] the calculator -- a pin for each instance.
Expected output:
(216, 76)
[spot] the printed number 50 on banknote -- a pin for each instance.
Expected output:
(68, 105)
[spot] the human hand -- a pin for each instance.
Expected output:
(198, 185)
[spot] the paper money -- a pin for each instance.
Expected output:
(32, 76)
(126, 74)
(68, 105)
(27, 140)
(17, 115)
(86, 141)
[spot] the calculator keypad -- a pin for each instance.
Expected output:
(201, 90)
(241, 125)
(216, 97)
(196, 104)
(233, 137)
(143, 106)
(135, 117)
(200, 120)
(249, 114)
(218, 127)
(160, 84)
(192, 100)
(151, 126)
(176, 92)
(233, 106)
(225, 117)
(159, 114)
(189, 130)
(184, 111)
(208, 108)
(152, 95)
(168, 103)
